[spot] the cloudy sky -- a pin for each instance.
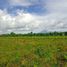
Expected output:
(24, 16)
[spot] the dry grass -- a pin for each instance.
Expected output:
(34, 51)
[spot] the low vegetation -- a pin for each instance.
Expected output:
(33, 51)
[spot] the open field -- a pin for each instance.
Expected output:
(33, 51)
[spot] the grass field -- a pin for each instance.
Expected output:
(33, 51)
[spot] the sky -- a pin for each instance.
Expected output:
(24, 16)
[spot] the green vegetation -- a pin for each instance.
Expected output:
(37, 34)
(33, 51)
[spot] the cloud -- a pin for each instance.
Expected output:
(54, 20)
(56, 14)
(20, 2)
(26, 22)
(23, 2)
(56, 6)
(23, 22)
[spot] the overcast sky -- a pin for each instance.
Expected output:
(23, 16)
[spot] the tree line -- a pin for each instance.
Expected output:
(37, 34)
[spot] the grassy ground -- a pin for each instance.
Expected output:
(33, 51)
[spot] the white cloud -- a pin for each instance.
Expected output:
(56, 14)
(23, 22)
(55, 20)
(23, 2)
(26, 22)
(20, 2)
(56, 5)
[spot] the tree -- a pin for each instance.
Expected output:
(65, 33)
(12, 33)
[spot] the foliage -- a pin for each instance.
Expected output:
(37, 34)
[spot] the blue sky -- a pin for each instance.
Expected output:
(23, 16)
(3, 4)
(35, 7)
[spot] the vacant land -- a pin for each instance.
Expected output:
(33, 51)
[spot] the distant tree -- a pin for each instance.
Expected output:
(65, 33)
(31, 32)
(12, 33)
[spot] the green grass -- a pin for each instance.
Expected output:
(33, 51)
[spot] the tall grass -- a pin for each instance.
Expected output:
(33, 51)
